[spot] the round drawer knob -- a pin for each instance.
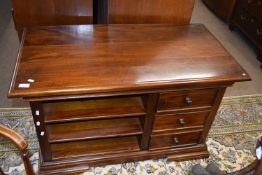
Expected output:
(259, 3)
(188, 101)
(176, 141)
(181, 122)
(243, 17)
(259, 32)
(249, 1)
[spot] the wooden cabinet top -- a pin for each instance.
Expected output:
(84, 59)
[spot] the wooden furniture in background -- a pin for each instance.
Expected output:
(222, 8)
(150, 11)
(109, 94)
(20, 144)
(32, 13)
(247, 17)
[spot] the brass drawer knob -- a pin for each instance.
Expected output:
(181, 122)
(188, 101)
(249, 1)
(258, 32)
(259, 3)
(176, 141)
(243, 17)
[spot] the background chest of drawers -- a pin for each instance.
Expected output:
(247, 17)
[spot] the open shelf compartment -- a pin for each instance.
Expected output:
(95, 147)
(90, 109)
(94, 129)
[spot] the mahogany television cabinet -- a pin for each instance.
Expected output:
(105, 94)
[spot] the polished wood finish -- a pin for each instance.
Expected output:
(115, 93)
(180, 100)
(64, 111)
(76, 131)
(247, 17)
(222, 8)
(177, 12)
(31, 13)
(178, 121)
(95, 147)
(164, 141)
(20, 144)
(121, 51)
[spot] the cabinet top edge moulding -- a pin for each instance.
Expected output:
(87, 59)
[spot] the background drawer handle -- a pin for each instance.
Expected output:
(243, 17)
(259, 3)
(181, 122)
(188, 101)
(249, 1)
(259, 32)
(176, 141)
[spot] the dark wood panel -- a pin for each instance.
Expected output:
(94, 129)
(177, 12)
(254, 7)
(100, 11)
(174, 140)
(150, 104)
(42, 133)
(180, 121)
(222, 8)
(52, 12)
(94, 147)
(249, 24)
(179, 55)
(247, 18)
(78, 110)
(186, 99)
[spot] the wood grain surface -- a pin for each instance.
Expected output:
(177, 12)
(70, 60)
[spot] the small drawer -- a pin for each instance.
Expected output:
(174, 140)
(186, 99)
(180, 121)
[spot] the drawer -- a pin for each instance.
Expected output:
(174, 140)
(180, 121)
(186, 99)
(254, 7)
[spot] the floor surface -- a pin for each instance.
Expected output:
(234, 42)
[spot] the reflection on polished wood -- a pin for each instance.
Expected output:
(68, 60)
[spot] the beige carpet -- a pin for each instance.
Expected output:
(232, 41)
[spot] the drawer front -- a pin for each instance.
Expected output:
(186, 99)
(180, 121)
(249, 24)
(254, 7)
(174, 140)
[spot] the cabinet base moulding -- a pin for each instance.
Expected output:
(80, 165)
